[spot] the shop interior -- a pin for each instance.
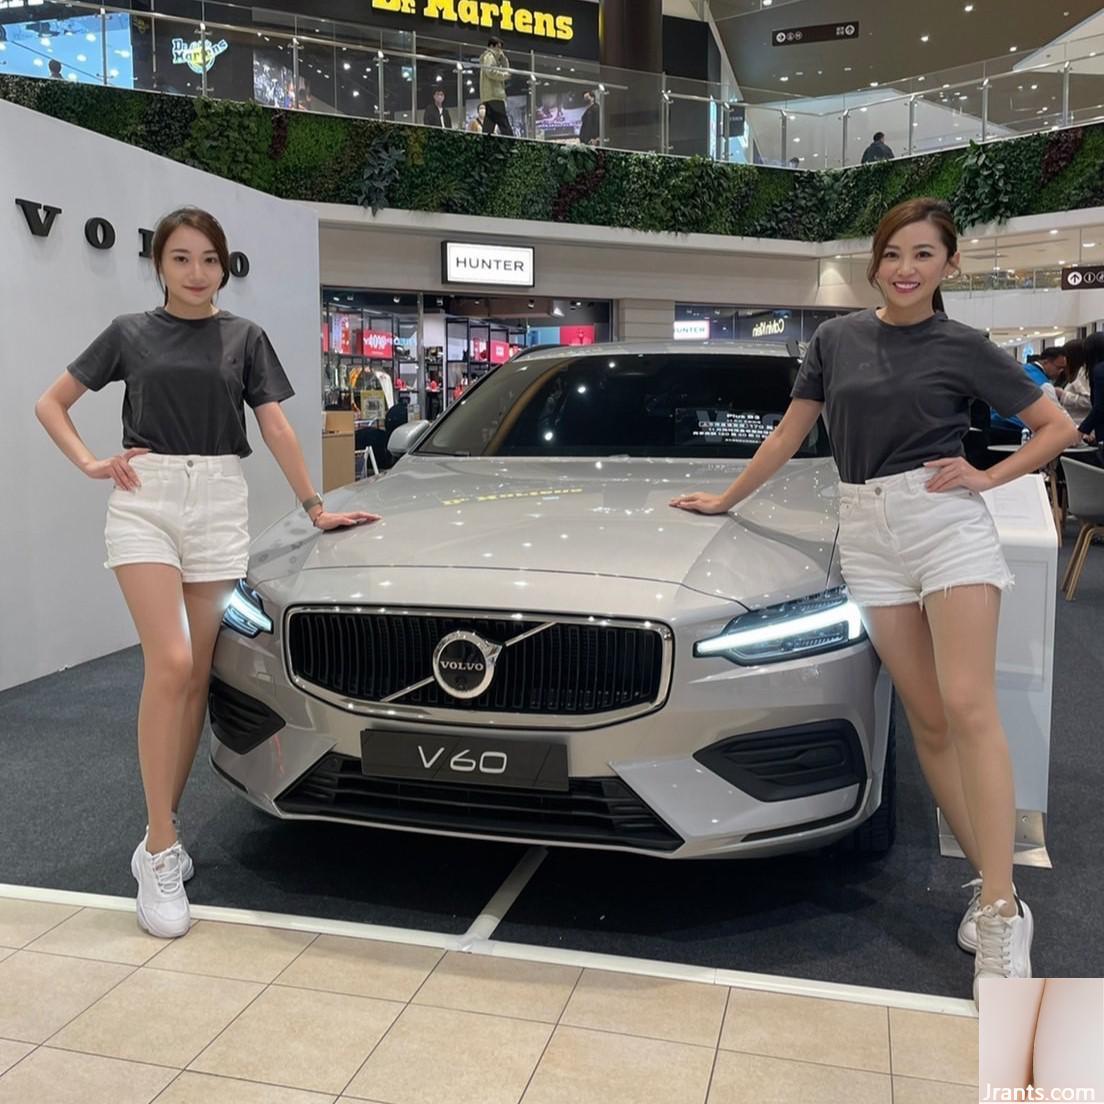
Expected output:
(392, 357)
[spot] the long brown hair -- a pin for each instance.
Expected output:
(921, 209)
(197, 219)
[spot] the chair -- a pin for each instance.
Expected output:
(1085, 487)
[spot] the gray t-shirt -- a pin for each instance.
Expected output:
(185, 379)
(898, 396)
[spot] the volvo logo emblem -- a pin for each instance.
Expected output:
(464, 664)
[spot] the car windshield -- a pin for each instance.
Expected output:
(708, 405)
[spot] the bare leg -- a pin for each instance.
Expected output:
(1069, 1039)
(205, 604)
(156, 602)
(902, 639)
(1006, 1034)
(963, 624)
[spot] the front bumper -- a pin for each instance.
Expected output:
(646, 784)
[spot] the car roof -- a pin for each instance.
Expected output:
(790, 350)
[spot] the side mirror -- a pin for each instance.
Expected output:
(405, 437)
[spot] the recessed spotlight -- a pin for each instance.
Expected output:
(1012, 49)
(1089, 245)
(974, 241)
(873, 84)
(1054, 231)
(797, 139)
(847, 68)
(783, 79)
(968, 8)
(924, 38)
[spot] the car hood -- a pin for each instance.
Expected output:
(591, 517)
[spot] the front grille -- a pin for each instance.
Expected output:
(568, 669)
(592, 811)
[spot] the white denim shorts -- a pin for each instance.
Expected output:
(899, 542)
(191, 512)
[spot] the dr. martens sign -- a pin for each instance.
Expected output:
(100, 234)
(506, 17)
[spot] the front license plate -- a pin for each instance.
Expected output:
(472, 760)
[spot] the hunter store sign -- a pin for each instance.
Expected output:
(504, 17)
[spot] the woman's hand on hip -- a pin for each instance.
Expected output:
(701, 503)
(326, 520)
(957, 472)
(117, 468)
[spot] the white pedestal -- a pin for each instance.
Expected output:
(1025, 655)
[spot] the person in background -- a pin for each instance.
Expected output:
(478, 119)
(55, 69)
(1092, 425)
(1074, 393)
(436, 114)
(795, 162)
(877, 150)
(589, 128)
(494, 69)
(1042, 369)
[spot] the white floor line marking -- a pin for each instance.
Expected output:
(708, 975)
(484, 925)
(285, 921)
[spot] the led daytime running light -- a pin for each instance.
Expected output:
(798, 626)
(243, 609)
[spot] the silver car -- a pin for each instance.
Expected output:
(533, 646)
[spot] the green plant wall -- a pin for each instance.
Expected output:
(331, 159)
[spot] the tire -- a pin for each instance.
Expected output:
(874, 837)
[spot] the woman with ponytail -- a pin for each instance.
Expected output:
(918, 549)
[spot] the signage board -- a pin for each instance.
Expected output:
(482, 17)
(1083, 277)
(491, 265)
(378, 344)
(846, 30)
(692, 329)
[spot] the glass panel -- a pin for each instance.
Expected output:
(1020, 103)
(765, 126)
(59, 45)
(316, 90)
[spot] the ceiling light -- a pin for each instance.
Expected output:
(847, 68)
(968, 8)
(973, 241)
(797, 139)
(1089, 245)
(873, 84)
(767, 3)
(924, 38)
(1054, 231)
(783, 78)
(1012, 49)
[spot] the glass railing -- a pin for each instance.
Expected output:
(289, 61)
(1030, 279)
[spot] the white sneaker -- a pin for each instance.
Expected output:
(187, 867)
(1004, 943)
(967, 926)
(162, 903)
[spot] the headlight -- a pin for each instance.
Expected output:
(246, 614)
(793, 629)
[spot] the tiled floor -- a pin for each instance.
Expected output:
(93, 1011)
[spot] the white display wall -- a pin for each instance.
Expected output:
(58, 605)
